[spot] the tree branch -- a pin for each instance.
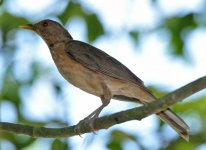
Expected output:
(108, 121)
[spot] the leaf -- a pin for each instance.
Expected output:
(158, 91)
(94, 27)
(72, 10)
(179, 27)
(10, 22)
(177, 45)
(59, 145)
(10, 90)
(183, 145)
(1, 2)
(135, 37)
(198, 105)
(20, 141)
(117, 138)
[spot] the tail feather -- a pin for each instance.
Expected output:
(175, 122)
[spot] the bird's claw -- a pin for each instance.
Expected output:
(89, 121)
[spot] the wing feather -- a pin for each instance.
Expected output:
(97, 60)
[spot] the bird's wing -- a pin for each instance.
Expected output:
(97, 60)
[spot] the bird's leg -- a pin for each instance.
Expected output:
(95, 114)
(91, 117)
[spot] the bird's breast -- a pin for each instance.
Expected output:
(77, 74)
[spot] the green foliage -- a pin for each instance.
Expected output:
(117, 138)
(9, 24)
(58, 145)
(19, 141)
(10, 84)
(135, 37)
(178, 26)
(72, 10)
(181, 145)
(1, 2)
(94, 26)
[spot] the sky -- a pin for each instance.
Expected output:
(149, 61)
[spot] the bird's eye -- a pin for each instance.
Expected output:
(45, 24)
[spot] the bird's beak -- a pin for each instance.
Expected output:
(28, 26)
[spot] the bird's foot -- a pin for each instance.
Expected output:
(88, 120)
(91, 118)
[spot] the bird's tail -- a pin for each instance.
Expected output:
(175, 122)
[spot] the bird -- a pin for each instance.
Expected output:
(95, 72)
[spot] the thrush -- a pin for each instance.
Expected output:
(97, 73)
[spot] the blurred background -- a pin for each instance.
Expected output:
(162, 42)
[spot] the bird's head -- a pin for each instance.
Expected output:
(51, 31)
